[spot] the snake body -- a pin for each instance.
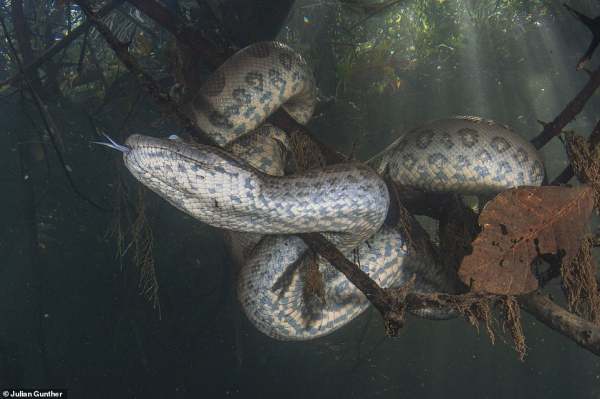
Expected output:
(350, 200)
(464, 155)
(250, 86)
(347, 202)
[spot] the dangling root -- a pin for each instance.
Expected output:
(480, 312)
(142, 237)
(511, 313)
(585, 160)
(144, 248)
(580, 283)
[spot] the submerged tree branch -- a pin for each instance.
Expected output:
(390, 303)
(183, 30)
(573, 108)
(158, 94)
(390, 307)
(584, 333)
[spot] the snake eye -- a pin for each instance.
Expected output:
(173, 137)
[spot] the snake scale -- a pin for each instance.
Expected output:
(346, 202)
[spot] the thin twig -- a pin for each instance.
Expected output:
(573, 108)
(158, 94)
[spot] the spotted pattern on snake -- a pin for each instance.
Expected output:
(223, 191)
(464, 155)
(250, 86)
(346, 202)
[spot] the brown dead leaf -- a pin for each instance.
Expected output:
(518, 225)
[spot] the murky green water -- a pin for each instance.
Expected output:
(104, 338)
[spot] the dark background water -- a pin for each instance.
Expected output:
(104, 338)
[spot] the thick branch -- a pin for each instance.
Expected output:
(391, 304)
(183, 30)
(584, 333)
(391, 309)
